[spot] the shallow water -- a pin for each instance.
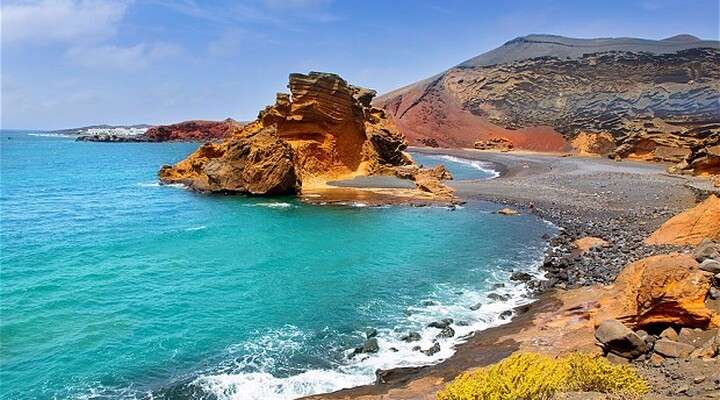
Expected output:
(116, 287)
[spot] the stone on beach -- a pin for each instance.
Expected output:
(411, 337)
(507, 211)
(442, 324)
(673, 349)
(588, 243)
(619, 339)
(707, 250)
(712, 266)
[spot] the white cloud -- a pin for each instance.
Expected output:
(48, 21)
(122, 58)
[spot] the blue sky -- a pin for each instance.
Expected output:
(68, 63)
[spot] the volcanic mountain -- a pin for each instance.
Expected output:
(656, 99)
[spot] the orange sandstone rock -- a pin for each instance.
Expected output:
(325, 129)
(593, 144)
(588, 243)
(659, 290)
(691, 226)
(260, 163)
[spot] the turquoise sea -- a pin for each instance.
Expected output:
(114, 287)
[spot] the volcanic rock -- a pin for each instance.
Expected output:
(656, 99)
(411, 337)
(193, 131)
(619, 339)
(258, 163)
(507, 211)
(432, 350)
(447, 332)
(593, 144)
(711, 266)
(187, 131)
(660, 290)
(498, 143)
(370, 346)
(442, 324)
(324, 130)
(707, 250)
(587, 243)
(520, 276)
(673, 349)
(691, 226)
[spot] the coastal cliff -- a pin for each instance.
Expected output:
(655, 100)
(325, 129)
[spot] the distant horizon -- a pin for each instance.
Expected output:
(159, 62)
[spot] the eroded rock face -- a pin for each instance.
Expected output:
(658, 100)
(691, 226)
(498, 143)
(325, 129)
(659, 291)
(260, 163)
(593, 144)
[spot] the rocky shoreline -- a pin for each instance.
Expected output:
(594, 200)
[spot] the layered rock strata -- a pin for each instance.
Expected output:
(325, 129)
(651, 100)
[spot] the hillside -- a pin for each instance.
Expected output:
(540, 91)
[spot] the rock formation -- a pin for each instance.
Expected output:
(658, 100)
(201, 131)
(660, 291)
(187, 131)
(325, 129)
(496, 143)
(691, 226)
(593, 144)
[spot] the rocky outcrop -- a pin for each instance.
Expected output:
(325, 129)
(593, 144)
(658, 100)
(498, 143)
(691, 226)
(187, 131)
(663, 290)
(703, 160)
(200, 131)
(259, 163)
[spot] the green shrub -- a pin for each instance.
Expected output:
(531, 376)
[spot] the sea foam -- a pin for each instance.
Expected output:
(477, 164)
(443, 302)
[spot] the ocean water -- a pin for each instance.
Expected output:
(114, 287)
(461, 168)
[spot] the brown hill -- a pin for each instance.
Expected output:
(197, 130)
(540, 91)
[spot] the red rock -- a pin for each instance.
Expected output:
(193, 131)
